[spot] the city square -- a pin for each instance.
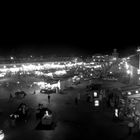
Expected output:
(64, 98)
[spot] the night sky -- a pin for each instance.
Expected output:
(72, 32)
(73, 38)
(67, 47)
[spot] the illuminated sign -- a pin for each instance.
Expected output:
(95, 94)
(96, 102)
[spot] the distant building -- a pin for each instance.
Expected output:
(115, 54)
(100, 58)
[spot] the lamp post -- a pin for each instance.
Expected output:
(138, 52)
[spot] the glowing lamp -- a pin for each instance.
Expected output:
(59, 85)
(11, 58)
(47, 114)
(129, 93)
(128, 71)
(1, 135)
(138, 50)
(95, 94)
(138, 71)
(114, 58)
(96, 102)
(116, 113)
(136, 91)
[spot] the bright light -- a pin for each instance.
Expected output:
(44, 85)
(128, 71)
(62, 72)
(92, 63)
(96, 103)
(59, 85)
(47, 115)
(11, 58)
(95, 94)
(1, 135)
(49, 74)
(2, 74)
(138, 71)
(137, 91)
(116, 113)
(126, 65)
(114, 58)
(110, 72)
(138, 50)
(129, 93)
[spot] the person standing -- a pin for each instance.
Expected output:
(10, 97)
(49, 98)
(34, 92)
(88, 98)
(130, 126)
(76, 100)
(78, 97)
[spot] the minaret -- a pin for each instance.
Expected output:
(115, 54)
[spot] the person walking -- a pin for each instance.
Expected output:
(130, 127)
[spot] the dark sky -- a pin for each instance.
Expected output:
(68, 46)
(77, 34)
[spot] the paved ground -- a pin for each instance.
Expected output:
(81, 121)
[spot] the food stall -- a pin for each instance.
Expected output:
(131, 109)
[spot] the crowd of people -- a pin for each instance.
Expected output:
(22, 115)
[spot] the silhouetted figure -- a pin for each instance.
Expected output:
(34, 92)
(130, 126)
(78, 96)
(13, 118)
(39, 111)
(49, 100)
(88, 98)
(76, 101)
(10, 97)
(23, 112)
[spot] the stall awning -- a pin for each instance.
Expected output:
(130, 88)
(134, 96)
